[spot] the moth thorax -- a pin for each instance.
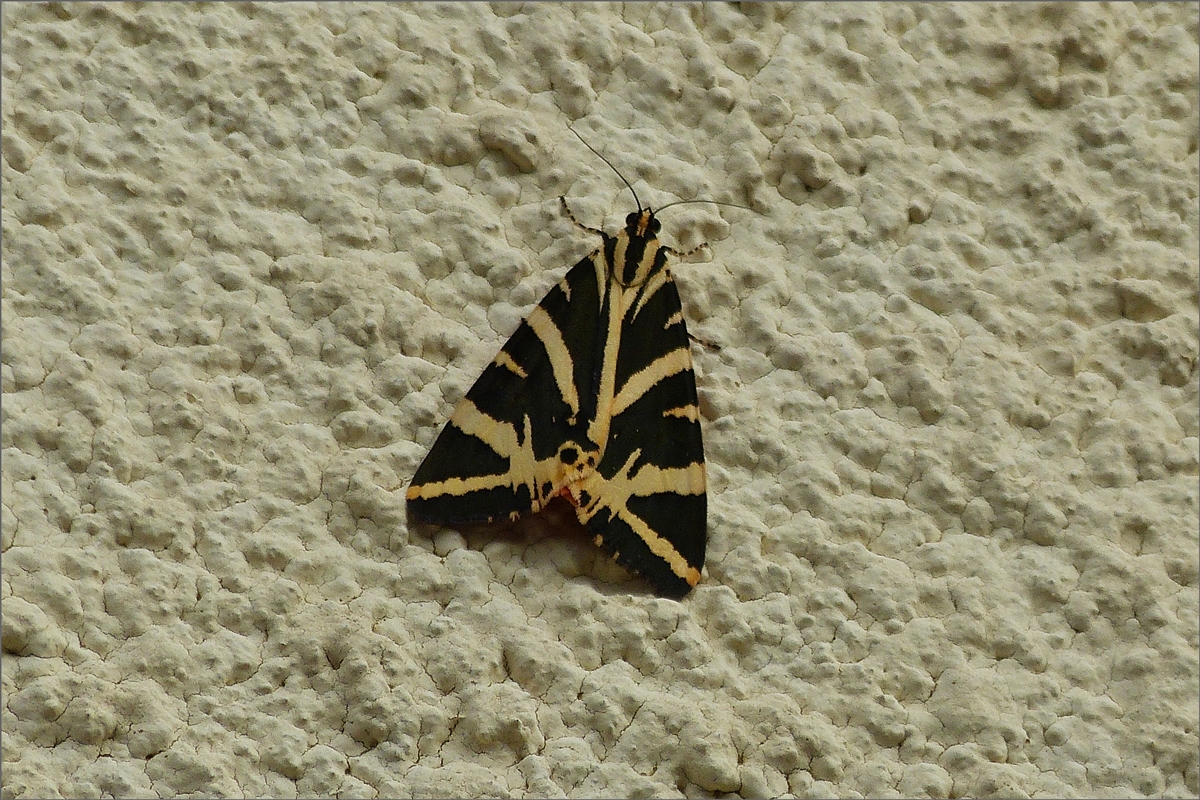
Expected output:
(573, 457)
(638, 260)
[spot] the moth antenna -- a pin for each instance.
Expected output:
(610, 166)
(714, 202)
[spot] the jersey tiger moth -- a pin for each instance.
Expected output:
(593, 399)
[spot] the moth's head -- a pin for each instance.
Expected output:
(643, 223)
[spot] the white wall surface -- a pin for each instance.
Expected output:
(253, 254)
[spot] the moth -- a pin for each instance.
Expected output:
(592, 399)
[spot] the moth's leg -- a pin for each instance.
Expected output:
(685, 255)
(571, 217)
(709, 343)
(682, 257)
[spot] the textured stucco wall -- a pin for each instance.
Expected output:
(253, 254)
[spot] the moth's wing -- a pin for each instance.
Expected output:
(650, 510)
(497, 456)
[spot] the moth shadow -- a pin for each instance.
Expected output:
(535, 546)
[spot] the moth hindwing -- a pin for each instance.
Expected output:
(592, 399)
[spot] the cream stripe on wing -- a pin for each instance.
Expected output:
(678, 480)
(601, 268)
(503, 359)
(523, 465)
(656, 282)
(684, 412)
(500, 436)
(661, 547)
(457, 486)
(649, 255)
(560, 356)
(607, 385)
(524, 469)
(642, 381)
